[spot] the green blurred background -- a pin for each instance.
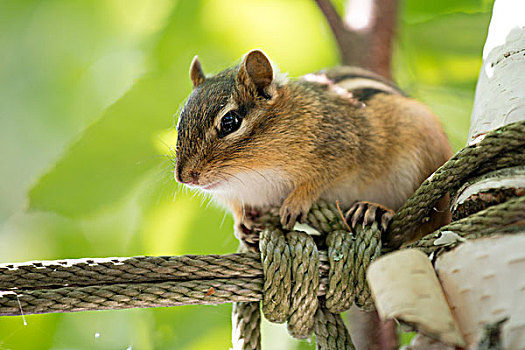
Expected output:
(89, 93)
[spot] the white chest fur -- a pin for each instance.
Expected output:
(269, 187)
(256, 188)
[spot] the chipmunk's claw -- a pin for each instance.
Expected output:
(365, 213)
(291, 213)
(247, 232)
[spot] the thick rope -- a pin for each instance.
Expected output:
(367, 249)
(325, 218)
(500, 148)
(123, 296)
(246, 326)
(212, 270)
(305, 313)
(349, 258)
(83, 272)
(246, 322)
(63, 293)
(340, 295)
(505, 217)
(275, 257)
(305, 276)
(331, 332)
(291, 292)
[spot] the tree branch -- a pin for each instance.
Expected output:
(337, 26)
(369, 46)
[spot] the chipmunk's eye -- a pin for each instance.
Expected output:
(230, 122)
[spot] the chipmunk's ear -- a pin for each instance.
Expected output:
(196, 74)
(256, 69)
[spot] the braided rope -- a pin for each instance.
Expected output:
(132, 295)
(305, 314)
(246, 326)
(339, 295)
(510, 214)
(275, 257)
(330, 331)
(83, 272)
(349, 258)
(472, 160)
(39, 296)
(61, 294)
(246, 322)
(305, 276)
(325, 218)
(368, 248)
(298, 276)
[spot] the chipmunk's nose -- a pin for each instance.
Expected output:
(194, 178)
(186, 177)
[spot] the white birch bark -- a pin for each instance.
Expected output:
(500, 93)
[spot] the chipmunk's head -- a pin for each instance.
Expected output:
(222, 125)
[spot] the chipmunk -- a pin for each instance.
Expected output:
(253, 138)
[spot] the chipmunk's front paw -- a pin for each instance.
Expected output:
(248, 232)
(293, 211)
(365, 213)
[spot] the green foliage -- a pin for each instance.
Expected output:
(89, 93)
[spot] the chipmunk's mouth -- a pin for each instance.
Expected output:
(210, 187)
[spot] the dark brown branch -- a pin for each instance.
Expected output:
(337, 26)
(370, 47)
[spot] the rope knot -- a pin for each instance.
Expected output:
(291, 270)
(349, 257)
(291, 274)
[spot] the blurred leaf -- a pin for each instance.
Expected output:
(444, 50)
(457, 33)
(415, 11)
(193, 322)
(405, 337)
(15, 335)
(112, 155)
(118, 150)
(62, 63)
(438, 60)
